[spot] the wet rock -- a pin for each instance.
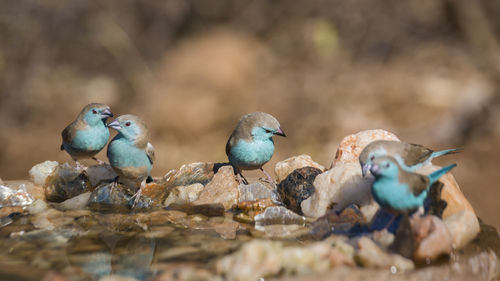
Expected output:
(209, 210)
(422, 238)
(117, 278)
(463, 227)
(287, 166)
(370, 255)
(40, 172)
(278, 215)
(297, 187)
(105, 198)
(157, 191)
(50, 219)
(185, 272)
(249, 209)
(66, 182)
(450, 193)
(76, 203)
(10, 197)
(183, 194)
(351, 146)
(343, 184)
(35, 191)
(255, 191)
(339, 187)
(223, 189)
(261, 259)
(285, 231)
(98, 174)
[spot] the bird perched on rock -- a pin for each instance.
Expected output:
(87, 134)
(251, 145)
(129, 152)
(398, 190)
(409, 156)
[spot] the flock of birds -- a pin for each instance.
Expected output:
(396, 188)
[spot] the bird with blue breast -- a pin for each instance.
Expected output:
(409, 156)
(400, 191)
(87, 134)
(251, 144)
(130, 153)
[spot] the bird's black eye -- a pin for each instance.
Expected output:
(127, 124)
(94, 111)
(373, 157)
(387, 165)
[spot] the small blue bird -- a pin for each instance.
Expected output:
(130, 153)
(409, 156)
(401, 191)
(251, 145)
(87, 134)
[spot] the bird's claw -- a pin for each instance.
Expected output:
(99, 161)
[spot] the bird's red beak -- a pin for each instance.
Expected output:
(280, 132)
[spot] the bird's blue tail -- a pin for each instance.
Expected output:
(439, 173)
(444, 152)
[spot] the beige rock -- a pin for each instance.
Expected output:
(451, 193)
(223, 189)
(463, 227)
(343, 184)
(370, 255)
(40, 172)
(339, 187)
(184, 194)
(76, 203)
(285, 167)
(351, 146)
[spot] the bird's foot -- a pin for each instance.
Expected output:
(269, 178)
(136, 197)
(99, 161)
(114, 184)
(241, 178)
(81, 167)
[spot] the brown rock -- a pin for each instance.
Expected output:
(351, 146)
(285, 167)
(432, 237)
(463, 227)
(370, 255)
(223, 189)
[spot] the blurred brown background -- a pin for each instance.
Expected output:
(427, 70)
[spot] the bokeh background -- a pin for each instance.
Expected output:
(426, 70)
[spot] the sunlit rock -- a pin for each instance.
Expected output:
(192, 173)
(287, 166)
(183, 194)
(76, 203)
(223, 189)
(40, 172)
(278, 215)
(37, 207)
(10, 197)
(255, 191)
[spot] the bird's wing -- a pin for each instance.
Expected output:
(416, 182)
(230, 143)
(414, 154)
(150, 152)
(67, 135)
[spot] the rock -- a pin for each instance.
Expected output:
(157, 191)
(351, 146)
(343, 184)
(209, 210)
(249, 209)
(11, 197)
(255, 191)
(287, 166)
(463, 227)
(297, 187)
(189, 174)
(339, 187)
(278, 215)
(262, 258)
(105, 199)
(344, 223)
(422, 238)
(183, 194)
(40, 172)
(66, 182)
(223, 189)
(117, 278)
(370, 255)
(100, 173)
(76, 203)
(450, 193)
